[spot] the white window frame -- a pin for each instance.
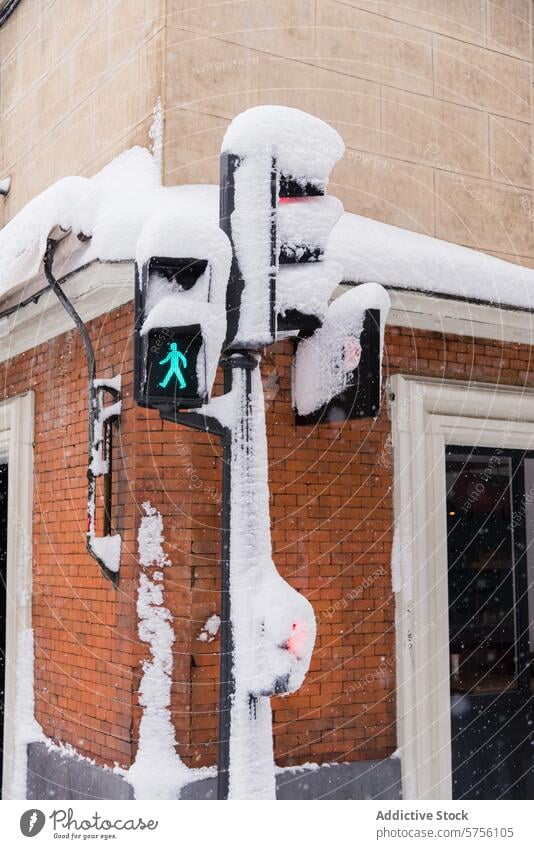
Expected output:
(427, 415)
(16, 447)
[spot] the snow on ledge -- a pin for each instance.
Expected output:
(373, 252)
(114, 206)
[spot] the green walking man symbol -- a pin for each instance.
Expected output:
(174, 358)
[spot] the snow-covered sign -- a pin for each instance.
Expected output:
(183, 265)
(337, 370)
(275, 165)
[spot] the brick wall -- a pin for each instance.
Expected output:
(331, 514)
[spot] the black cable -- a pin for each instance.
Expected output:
(7, 10)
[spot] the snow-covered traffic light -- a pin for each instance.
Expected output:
(283, 636)
(182, 272)
(275, 165)
(337, 370)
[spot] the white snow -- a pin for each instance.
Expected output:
(307, 287)
(305, 149)
(158, 772)
(181, 232)
(273, 625)
(210, 629)
(402, 562)
(373, 252)
(108, 550)
(150, 538)
(306, 222)
(251, 231)
(309, 766)
(155, 134)
(23, 239)
(27, 729)
(114, 382)
(114, 206)
(322, 366)
(304, 145)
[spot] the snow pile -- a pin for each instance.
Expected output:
(27, 729)
(307, 287)
(111, 208)
(158, 772)
(99, 462)
(284, 636)
(304, 150)
(325, 362)
(150, 538)
(373, 252)
(177, 233)
(23, 239)
(108, 550)
(306, 222)
(294, 137)
(210, 629)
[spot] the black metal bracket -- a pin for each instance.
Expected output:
(95, 407)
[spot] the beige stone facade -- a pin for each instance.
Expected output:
(433, 98)
(78, 84)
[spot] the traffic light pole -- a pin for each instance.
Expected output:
(226, 680)
(243, 719)
(245, 726)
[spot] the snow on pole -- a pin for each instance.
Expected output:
(273, 626)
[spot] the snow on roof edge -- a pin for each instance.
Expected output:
(373, 252)
(114, 205)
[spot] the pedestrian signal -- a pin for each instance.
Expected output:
(174, 357)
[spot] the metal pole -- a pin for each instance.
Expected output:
(226, 684)
(246, 362)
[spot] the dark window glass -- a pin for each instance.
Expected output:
(480, 526)
(529, 538)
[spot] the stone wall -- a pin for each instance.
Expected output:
(432, 98)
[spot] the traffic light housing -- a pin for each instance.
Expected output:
(283, 636)
(275, 164)
(170, 361)
(337, 370)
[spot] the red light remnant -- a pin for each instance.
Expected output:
(297, 640)
(304, 199)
